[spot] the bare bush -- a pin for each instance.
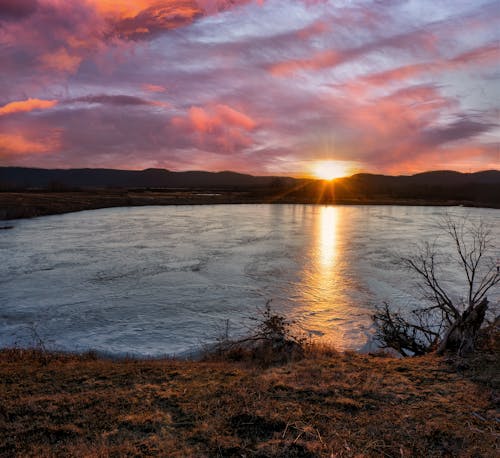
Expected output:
(444, 324)
(272, 340)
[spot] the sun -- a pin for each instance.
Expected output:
(329, 170)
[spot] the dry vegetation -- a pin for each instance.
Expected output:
(29, 204)
(21, 204)
(328, 404)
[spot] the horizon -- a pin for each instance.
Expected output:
(331, 90)
(297, 177)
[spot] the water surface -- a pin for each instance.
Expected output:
(163, 280)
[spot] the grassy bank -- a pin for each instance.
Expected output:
(15, 205)
(340, 405)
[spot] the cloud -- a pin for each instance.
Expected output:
(218, 127)
(153, 87)
(462, 128)
(61, 60)
(118, 100)
(411, 40)
(229, 116)
(17, 9)
(22, 106)
(486, 55)
(209, 119)
(260, 86)
(148, 18)
(321, 60)
(17, 144)
(158, 18)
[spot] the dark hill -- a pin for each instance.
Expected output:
(22, 178)
(480, 188)
(440, 177)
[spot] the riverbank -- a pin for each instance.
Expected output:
(328, 404)
(14, 205)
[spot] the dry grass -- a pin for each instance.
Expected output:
(328, 404)
(30, 204)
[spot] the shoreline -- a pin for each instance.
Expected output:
(29, 204)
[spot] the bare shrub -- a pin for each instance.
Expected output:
(273, 340)
(444, 324)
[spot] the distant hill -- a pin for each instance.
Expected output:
(23, 178)
(439, 177)
(480, 188)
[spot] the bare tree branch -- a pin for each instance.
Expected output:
(445, 324)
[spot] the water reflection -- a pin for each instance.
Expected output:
(320, 289)
(326, 236)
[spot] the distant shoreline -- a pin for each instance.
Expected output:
(29, 204)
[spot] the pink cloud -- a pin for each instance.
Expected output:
(154, 88)
(318, 61)
(217, 127)
(61, 60)
(233, 117)
(219, 116)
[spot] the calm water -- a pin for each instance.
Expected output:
(156, 280)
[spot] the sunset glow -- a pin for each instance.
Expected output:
(402, 87)
(329, 170)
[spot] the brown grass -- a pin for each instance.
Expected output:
(29, 204)
(329, 404)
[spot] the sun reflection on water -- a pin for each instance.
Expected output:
(327, 237)
(321, 288)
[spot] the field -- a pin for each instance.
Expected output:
(328, 404)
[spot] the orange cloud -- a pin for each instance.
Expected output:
(26, 105)
(140, 18)
(156, 17)
(15, 144)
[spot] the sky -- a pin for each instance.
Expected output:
(268, 87)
